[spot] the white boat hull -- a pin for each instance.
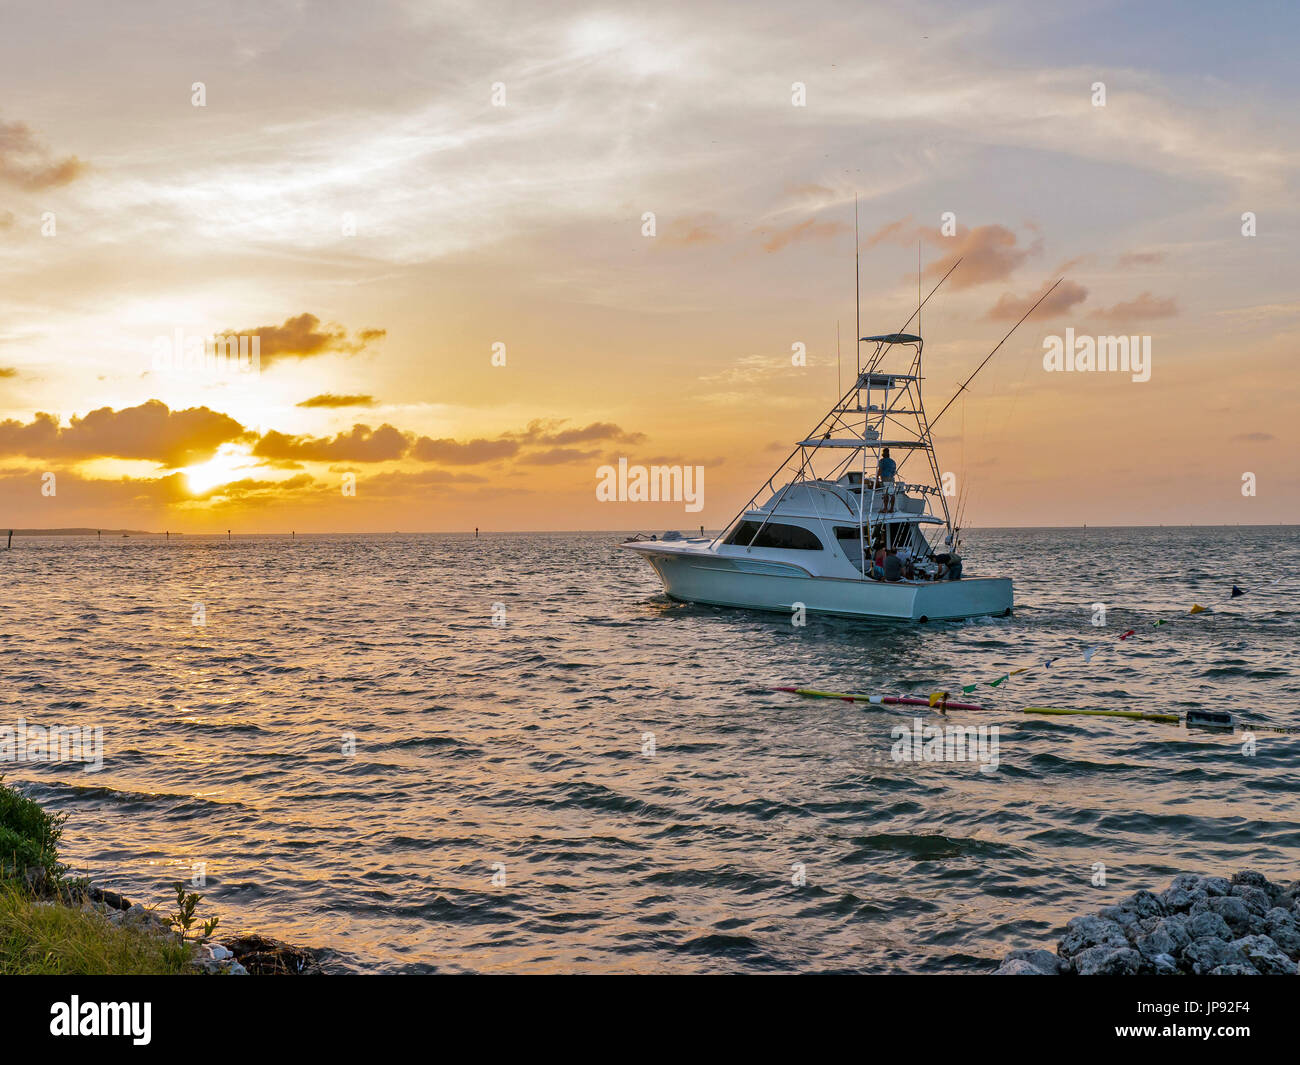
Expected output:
(755, 584)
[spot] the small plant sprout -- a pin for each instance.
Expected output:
(183, 919)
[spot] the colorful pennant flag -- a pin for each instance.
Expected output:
(1087, 655)
(1236, 592)
(1128, 634)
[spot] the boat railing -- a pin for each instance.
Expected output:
(895, 487)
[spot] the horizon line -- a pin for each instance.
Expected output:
(120, 531)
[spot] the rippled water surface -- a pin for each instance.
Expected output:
(524, 745)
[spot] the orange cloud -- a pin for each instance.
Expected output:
(329, 399)
(252, 486)
(692, 229)
(549, 432)
(1010, 307)
(149, 431)
(988, 253)
(557, 456)
(303, 338)
(808, 229)
(359, 444)
(27, 163)
(541, 433)
(1145, 306)
(470, 453)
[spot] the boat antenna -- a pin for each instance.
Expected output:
(857, 289)
(839, 386)
(918, 289)
(962, 388)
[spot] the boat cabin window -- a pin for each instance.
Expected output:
(787, 537)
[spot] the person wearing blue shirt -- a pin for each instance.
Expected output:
(888, 467)
(885, 473)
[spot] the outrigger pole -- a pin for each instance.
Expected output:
(962, 387)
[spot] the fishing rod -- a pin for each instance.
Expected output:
(990, 355)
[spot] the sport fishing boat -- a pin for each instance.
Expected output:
(855, 522)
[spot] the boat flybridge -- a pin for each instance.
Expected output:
(854, 522)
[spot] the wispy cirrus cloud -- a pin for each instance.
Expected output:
(1141, 258)
(801, 232)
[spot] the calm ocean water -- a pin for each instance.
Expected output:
(516, 751)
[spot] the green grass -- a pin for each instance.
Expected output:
(40, 932)
(37, 938)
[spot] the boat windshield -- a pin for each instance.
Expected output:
(774, 534)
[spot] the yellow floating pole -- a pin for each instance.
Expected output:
(1140, 715)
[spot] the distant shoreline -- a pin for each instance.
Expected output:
(82, 532)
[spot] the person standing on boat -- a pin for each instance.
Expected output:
(885, 471)
(887, 467)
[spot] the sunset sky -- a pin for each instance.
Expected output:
(351, 193)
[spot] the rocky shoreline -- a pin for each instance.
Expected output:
(1198, 926)
(234, 955)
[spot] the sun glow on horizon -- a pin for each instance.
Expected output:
(228, 464)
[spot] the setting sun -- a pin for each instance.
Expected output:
(228, 464)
